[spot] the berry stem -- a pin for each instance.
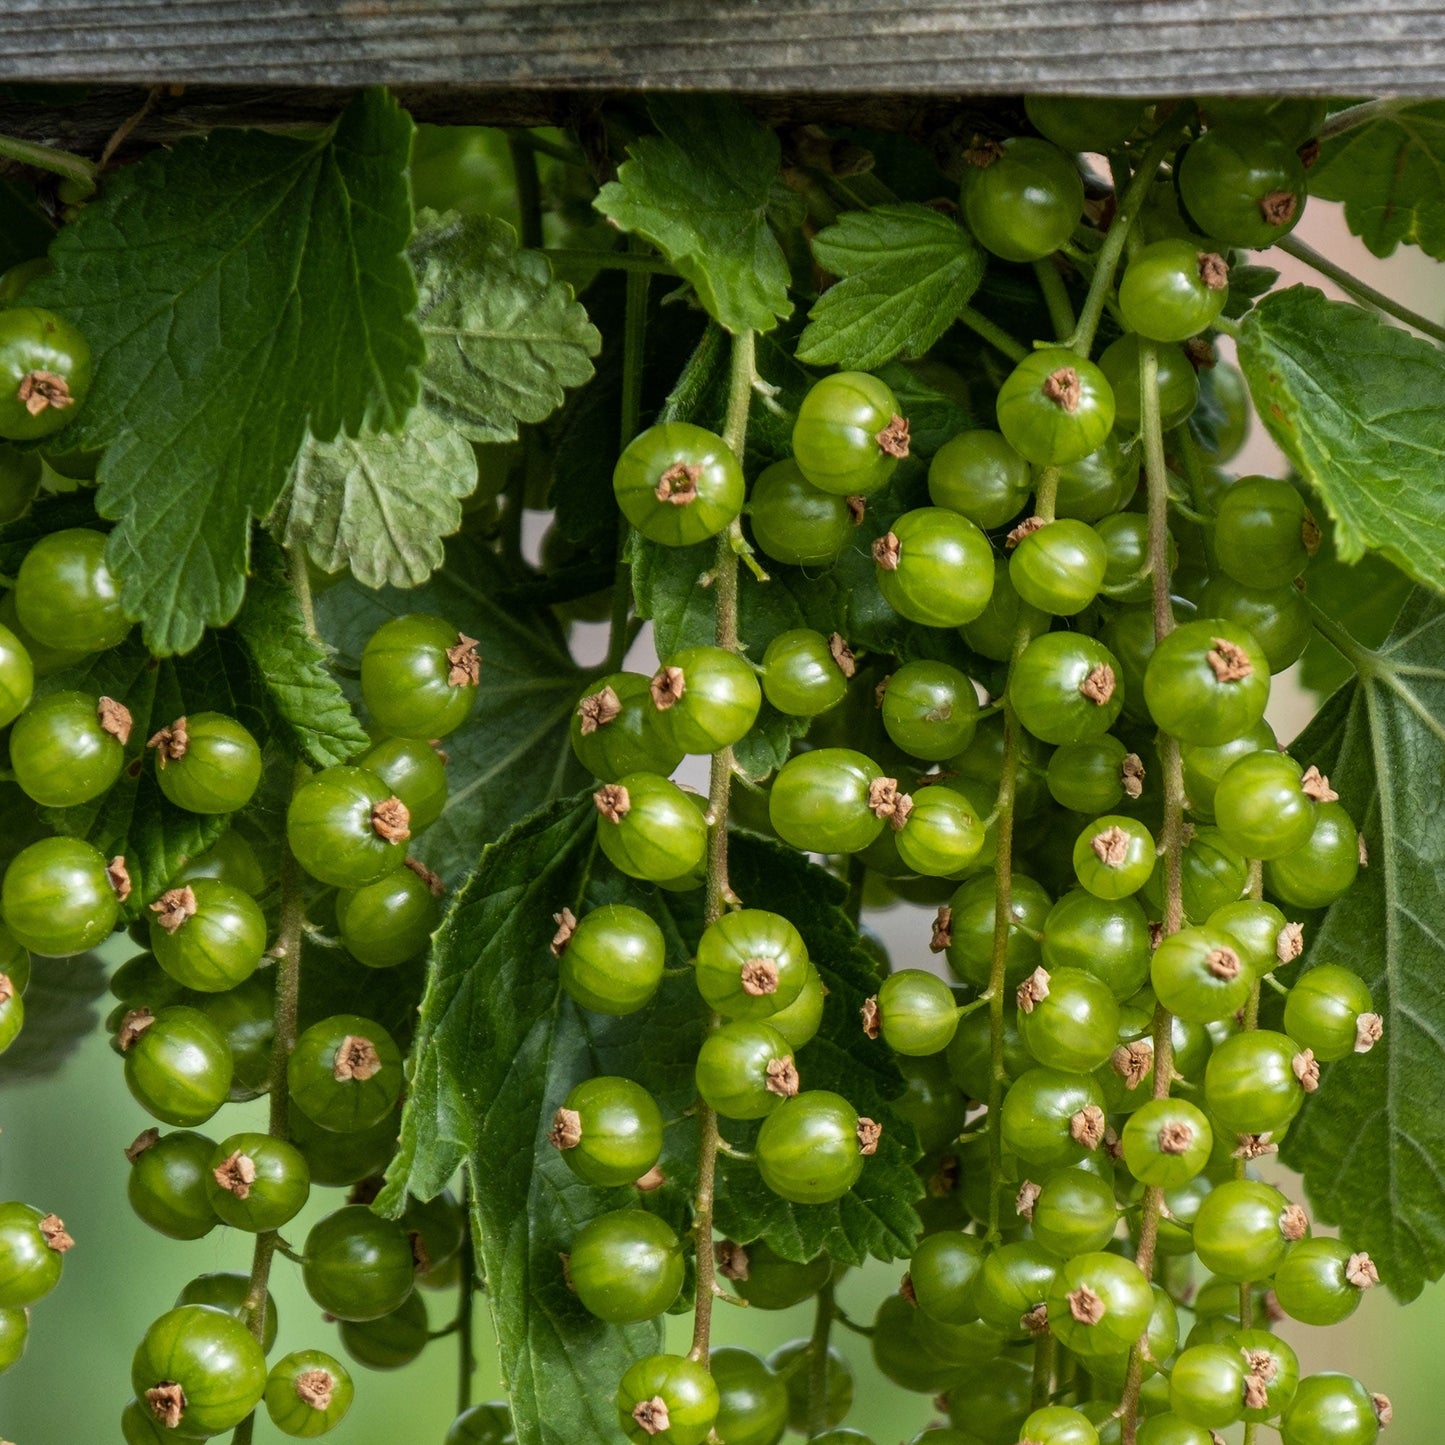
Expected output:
(993, 333)
(1043, 1370)
(725, 605)
(818, 1361)
(49, 158)
(1171, 834)
(1130, 205)
(529, 193)
(1056, 298)
(1352, 286)
(1362, 114)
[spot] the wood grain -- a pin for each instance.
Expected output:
(941, 47)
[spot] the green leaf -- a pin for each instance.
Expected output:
(60, 1015)
(305, 699)
(134, 819)
(1358, 407)
(906, 272)
(499, 1046)
(1390, 173)
(1370, 1142)
(513, 753)
(233, 289)
(504, 337)
(699, 190)
(380, 503)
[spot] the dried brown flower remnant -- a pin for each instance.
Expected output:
(1099, 685)
(315, 1387)
(1064, 389)
(1223, 963)
(433, 881)
(1306, 1070)
(1175, 1137)
(1026, 528)
(942, 934)
(884, 797)
(678, 484)
(1256, 1392)
(612, 802)
(887, 549)
(1111, 847)
(893, 439)
(464, 666)
(1228, 661)
(667, 687)
(857, 509)
(759, 977)
(1369, 1030)
(598, 709)
(566, 922)
(174, 907)
(1035, 1321)
(1132, 1062)
(1294, 1223)
(391, 821)
(132, 1026)
(146, 1139)
(732, 1259)
(1254, 1146)
(1213, 270)
(1290, 943)
(566, 1130)
(1361, 1272)
(1131, 774)
(1278, 207)
(1033, 990)
(869, 1133)
(119, 876)
(654, 1179)
(1310, 535)
(1384, 1411)
(41, 389)
(52, 1231)
(170, 742)
(1316, 785)
(115, 719)
(983, 151)
(782, 1077)
(356, 1058)
(651, 1415)
(1026, 1198)
(872, 1018)
(236, 1173)
(842, 654)
(1088, 1125)
(1364, 852)
(1085, 1306)
(167, 1403)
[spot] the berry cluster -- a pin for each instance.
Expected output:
(1120, 853)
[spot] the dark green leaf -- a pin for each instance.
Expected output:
(46, 515)
(380, 503)
(513, 753)
(504, 337)
(134, 819)
(1358, 407)
(1370, 1142)
(906, 272)
(1390, 173)
(291, 666)
(699, 190)
(25, 230)
(233, 289)
(60, 1014)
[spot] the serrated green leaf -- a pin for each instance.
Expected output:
(1358, 407)
(60, 1014)
(291, 667)
(134, 819)
(699, 190)
(504, 337)
(233, 289)
(513, 753)
(1390, 173)
(1370, 1141)
(44, 516)
(906, 272)
(380, 503)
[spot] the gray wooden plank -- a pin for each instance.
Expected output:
(1156, 47)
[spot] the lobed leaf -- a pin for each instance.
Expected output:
(234, 290)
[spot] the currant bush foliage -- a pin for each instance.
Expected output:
(328, 394)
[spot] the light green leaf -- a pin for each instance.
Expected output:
(233, 289)
(1358, 407)
(504, 337)
(513, 753)
(906, 271)
(1371, 1142)
(380, 503)
(699, 190)
(1390, 173)
(291, 666)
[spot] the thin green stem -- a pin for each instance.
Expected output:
(1046, 494)
(818, 1361)
(719, 894)
(1362, 114)
(630, 261)
(993, 333)
(49, 158)
(634, 350)
(696, 377)
(529, 192)
(1056, 298)
(568, 155)
(1107, 261)
(467, 1266)
(1043, 1384)
(1353, 286)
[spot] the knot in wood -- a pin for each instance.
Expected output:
(597, 709)
(869, 1133)
(612, 802)
(464, 664)
(391, 821)
(1228, 661)
(678, 484)
(356, 1058)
